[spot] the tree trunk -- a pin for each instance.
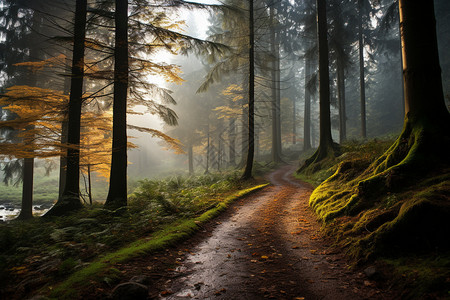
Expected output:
(117, 195)
(401, 66)
(362, 88)
(326, 145)
(278, 94)
(70, 199)
(208, 150)
(232, 138)
(191, 159)
(245, 127)
(89, 183)
(257, 146)
(26, 211)
(63, 158)
(251, 96)
(424, 98)
(64, 129)
(307, 112)
(325, 140)
(276, 157)
(425, 141)
(341, 101)
(294, 116)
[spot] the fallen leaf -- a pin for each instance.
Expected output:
(164, 293)
(218, 293)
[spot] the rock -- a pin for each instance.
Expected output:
(370, 272)
(130, 291)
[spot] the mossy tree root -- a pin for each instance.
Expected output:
(66, 205)
(324, 151)
(419, 220)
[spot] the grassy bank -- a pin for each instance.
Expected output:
(397, 222)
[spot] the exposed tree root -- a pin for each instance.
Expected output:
(322, 153)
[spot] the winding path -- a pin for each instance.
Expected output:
(268, 247)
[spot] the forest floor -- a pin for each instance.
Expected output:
(266, 245)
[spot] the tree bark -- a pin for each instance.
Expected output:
(362, 88)
(325, 140)
(89, 183)
(425, 141)
(276, 156)
(232, 140)
(307, 112)
(244, 128)
(64, 129)
(117, 195)
(69, 201)
(208, 149)
(294, 121)
(341, 101)
(278, 94)
(326, 145)
(251, 97)
(424, 98)
(26, 211)
(191, 159)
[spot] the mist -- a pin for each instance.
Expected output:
(212, 123)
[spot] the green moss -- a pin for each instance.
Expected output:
(386, 201)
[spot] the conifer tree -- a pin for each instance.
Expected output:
(326, 144)
(117, 195)
(69, 200)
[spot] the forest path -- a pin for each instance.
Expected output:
(267, 246)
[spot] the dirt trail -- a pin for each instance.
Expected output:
(268, 246)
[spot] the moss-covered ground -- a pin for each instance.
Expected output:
(397, 219)
(58, 256)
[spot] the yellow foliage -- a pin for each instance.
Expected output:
(226, 112)
(40, 65)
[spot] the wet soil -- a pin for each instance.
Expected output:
(267, 245)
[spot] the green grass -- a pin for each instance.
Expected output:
(45, 189)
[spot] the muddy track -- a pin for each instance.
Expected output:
(268, 246)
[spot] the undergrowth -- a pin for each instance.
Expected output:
(63, 245)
